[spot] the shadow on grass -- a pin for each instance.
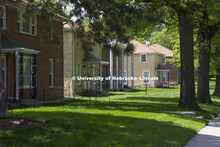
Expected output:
(155, 99)
(100, 95)
(80, 129)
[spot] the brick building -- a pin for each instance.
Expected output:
(174, 73)
(32, 50)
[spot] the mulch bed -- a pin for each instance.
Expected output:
(18, 122)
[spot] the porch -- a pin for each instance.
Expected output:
(163, 75)
(19, 69)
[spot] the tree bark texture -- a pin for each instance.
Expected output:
(187, 92)
(3, 99)
(204, 39)
(217, 84)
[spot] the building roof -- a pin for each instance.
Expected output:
(161, 68)
(162, 50)
(90, 58)
(70, 25)
(142, 48)
(9, 44)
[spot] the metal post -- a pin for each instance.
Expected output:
(100, 76)
(122, 69)
(132, 69)
(117, 71)
(127, 69)
(111, 69)
(17, 75)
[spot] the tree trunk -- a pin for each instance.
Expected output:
(3, 99)
(217, 84)
(204, 38)
(187, 93)
(203, 94)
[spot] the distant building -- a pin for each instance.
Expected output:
(32, 52)
(174, 72)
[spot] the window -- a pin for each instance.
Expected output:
(104, 53)
(51, 32)
(104, 74)
(3, 20)
(95, 73)
(51, 73)
(143, 58)
(164, 76)
(95, 48)
(78, 43)
(28, 72)
(146, 76)
(78, 73)
(164, 60)
(26, 23)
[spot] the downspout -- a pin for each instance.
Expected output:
(16, 76)
(155, 72)
(73, 59)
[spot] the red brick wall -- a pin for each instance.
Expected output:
(53, 51)
(173, 73)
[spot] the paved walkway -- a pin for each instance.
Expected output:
(208, 136)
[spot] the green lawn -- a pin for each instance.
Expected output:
(129, 119)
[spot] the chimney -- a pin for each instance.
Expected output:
(147, 43)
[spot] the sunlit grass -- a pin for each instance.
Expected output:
(123, 119)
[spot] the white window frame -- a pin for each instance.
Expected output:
(141, 58)
(164, 76)
(4, 19)
(78, 73)
(20, 23)
(51, 72)
(165, 61)
(144, 77)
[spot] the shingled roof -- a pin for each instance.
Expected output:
(162, 50)
(9, 44)
(90, 58)
(142, 48)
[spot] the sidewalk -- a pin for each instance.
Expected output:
(208, 136)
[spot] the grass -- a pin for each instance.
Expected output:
(129, 119)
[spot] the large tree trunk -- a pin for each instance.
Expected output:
(203, 94)
(187, 93)
(217, 84)
(204, 38)
(3, 99)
